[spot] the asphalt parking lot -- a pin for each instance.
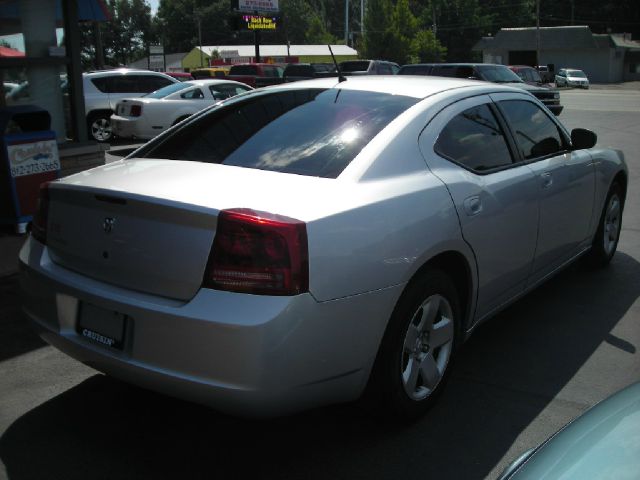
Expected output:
(537, 365)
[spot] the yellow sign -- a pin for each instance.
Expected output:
(255, 22)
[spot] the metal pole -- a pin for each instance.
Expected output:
(537, 32)
(256, 38)
(200, 40)
(361, 18)
(346, 21)
(74, 70)
(99, 47)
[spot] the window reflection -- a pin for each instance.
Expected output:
(307, 131)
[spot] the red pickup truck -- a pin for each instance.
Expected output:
(256, 74)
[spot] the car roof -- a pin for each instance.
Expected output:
(206, 81)
(124, 71)
(407, 85)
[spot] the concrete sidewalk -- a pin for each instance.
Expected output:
(10, 244)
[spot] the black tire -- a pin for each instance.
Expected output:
(392, 390)
(99, 126)
(605, 241)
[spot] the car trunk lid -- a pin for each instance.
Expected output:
(149, 224)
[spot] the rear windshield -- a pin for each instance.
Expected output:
(354, 66)
(415, 70)
(243, 70)
(168, 90)
(314, 132)
(498, 74)
(299, 71)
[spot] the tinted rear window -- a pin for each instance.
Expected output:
(243, 70)
(168, 90)
(354, 66)
(498, 74)
(299, 71)
(415, 70)
(315, 132)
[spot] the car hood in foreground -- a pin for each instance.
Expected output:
(602, 443)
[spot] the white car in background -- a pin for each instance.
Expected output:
(150, 115)
(104, 89)
(569, 77)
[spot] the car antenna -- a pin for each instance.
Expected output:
(341, 78)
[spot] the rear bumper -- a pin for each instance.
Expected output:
(249, 355)
(125, 127)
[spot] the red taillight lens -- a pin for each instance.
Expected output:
(39, 222)
(260, 253)
(136, 111)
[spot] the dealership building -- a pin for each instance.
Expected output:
(605, 58)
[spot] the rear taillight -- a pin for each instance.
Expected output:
(259, 253)
(136, 111)
(39, 222)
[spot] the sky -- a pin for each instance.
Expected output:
(154, 5)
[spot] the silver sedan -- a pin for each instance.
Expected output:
(318, 242)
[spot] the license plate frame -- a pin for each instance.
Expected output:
(102, 326)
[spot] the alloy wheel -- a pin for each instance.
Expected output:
(612, 224)
(427, 347)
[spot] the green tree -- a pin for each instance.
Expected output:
(317, 33)
(378, 30)
(404, 27)
(425, 48)
(124, 38)
(178, 20)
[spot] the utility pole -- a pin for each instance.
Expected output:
(361, 18)
(99, 47)
(435, 25)
(537, 33)
(346, 22)
(199, 20)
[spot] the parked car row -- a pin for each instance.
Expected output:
(489, 73)
(104, 89)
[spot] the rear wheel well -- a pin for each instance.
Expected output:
(101, 112)
(621, 179)
(455, 265)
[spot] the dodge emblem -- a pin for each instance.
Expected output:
(108, 224)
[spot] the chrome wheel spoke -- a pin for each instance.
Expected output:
(430, 311)
(442, 333)
(410, 376)
(410, 339)
(429, 372)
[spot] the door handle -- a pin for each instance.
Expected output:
(547, 179)
(472, 205)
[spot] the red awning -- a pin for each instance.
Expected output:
(10, 52)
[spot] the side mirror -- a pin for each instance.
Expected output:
(583, 138)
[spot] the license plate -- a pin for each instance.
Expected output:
(102, 326)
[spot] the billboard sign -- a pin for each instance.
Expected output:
(263, 6)
(257, 22)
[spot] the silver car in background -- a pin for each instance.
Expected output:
(570, 77)
(317, 242)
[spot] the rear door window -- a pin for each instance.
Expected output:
(536, 134)
(474, 140)
(104, 84)
(315, 132)
(194, 93)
